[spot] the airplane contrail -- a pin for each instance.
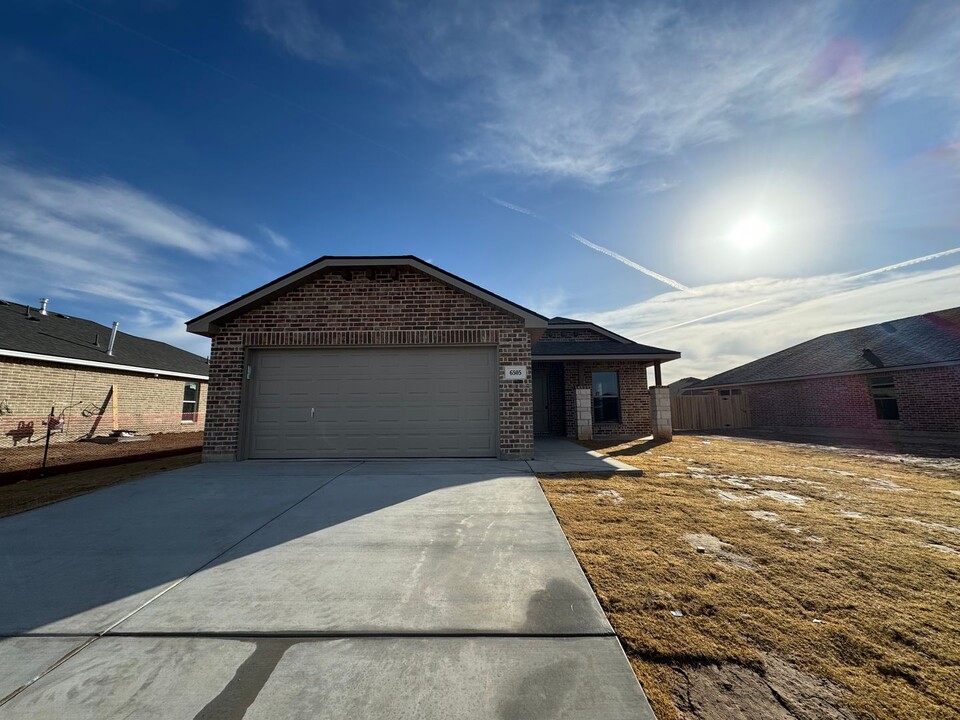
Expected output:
(629, 262)
(705, 317)
(905, 263)
(511, 206)
(593, 246)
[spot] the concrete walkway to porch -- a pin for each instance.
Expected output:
(559, 455)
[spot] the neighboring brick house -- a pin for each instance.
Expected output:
(892, 378)
(394, 357)
(51, 360)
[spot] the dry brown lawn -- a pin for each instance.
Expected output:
(751, 579)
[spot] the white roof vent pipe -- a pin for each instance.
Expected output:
(113, 337)
(43, 306)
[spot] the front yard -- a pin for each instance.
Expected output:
(756, 579)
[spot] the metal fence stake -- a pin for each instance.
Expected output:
(46, 444)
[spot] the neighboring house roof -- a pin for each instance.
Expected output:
(209, 323)
(56, 337)
(678, 386)
(930, 339)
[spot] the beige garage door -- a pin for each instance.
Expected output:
(373, 402)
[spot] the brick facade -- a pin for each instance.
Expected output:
(634, 395)
(927, 400)
(572, 335)
(146, 403)
(372, 306)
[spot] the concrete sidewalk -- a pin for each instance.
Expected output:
(560, 456)
(432, 589)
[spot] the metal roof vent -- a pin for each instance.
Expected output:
(113, 337)
(43, 306)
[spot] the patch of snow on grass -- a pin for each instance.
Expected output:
(934, 525)
(783, 497)
(736, 481)
(732, 496)
(764, 515)
(713, 545)
(615, 497)
(880, 484)
(845, 473)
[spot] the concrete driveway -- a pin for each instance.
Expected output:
(429, 589)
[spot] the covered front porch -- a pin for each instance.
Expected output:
(614, 397)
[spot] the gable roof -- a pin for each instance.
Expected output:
(208, 323)
(617, 347)
(563, 323)
(930, 339)
(56, 337)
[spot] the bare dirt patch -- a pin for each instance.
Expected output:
(846, 607)
(19, 462)
(29, 494)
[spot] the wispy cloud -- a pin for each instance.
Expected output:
(768, 314)
(276, 238)
(592, 90)
(104, 241)
(592, 245)
(298, 27)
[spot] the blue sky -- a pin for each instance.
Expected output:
(159, 158)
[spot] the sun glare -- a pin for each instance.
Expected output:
(749, 232)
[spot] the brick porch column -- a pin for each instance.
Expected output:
(584, 414)
(660, 421)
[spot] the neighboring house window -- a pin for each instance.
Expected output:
(606, 397)
(727, 393)
(191, 399)
(884, 398)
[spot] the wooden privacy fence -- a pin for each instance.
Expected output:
(709, 412)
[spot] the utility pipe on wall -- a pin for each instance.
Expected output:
(113, 337)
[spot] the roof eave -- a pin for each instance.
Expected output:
(663, 357)
(116, 367)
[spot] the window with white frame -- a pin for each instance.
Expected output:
(191, 402)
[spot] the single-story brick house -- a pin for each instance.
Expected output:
(896, 378)
(95, 378)
(395, 357)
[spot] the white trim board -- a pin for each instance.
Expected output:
(99, 365)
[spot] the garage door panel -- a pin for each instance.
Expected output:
(373, 402)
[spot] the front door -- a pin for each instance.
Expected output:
(541, 403)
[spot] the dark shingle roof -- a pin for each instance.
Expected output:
(917, 340)
(603, 347)
(566, 321)
(70, 337)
